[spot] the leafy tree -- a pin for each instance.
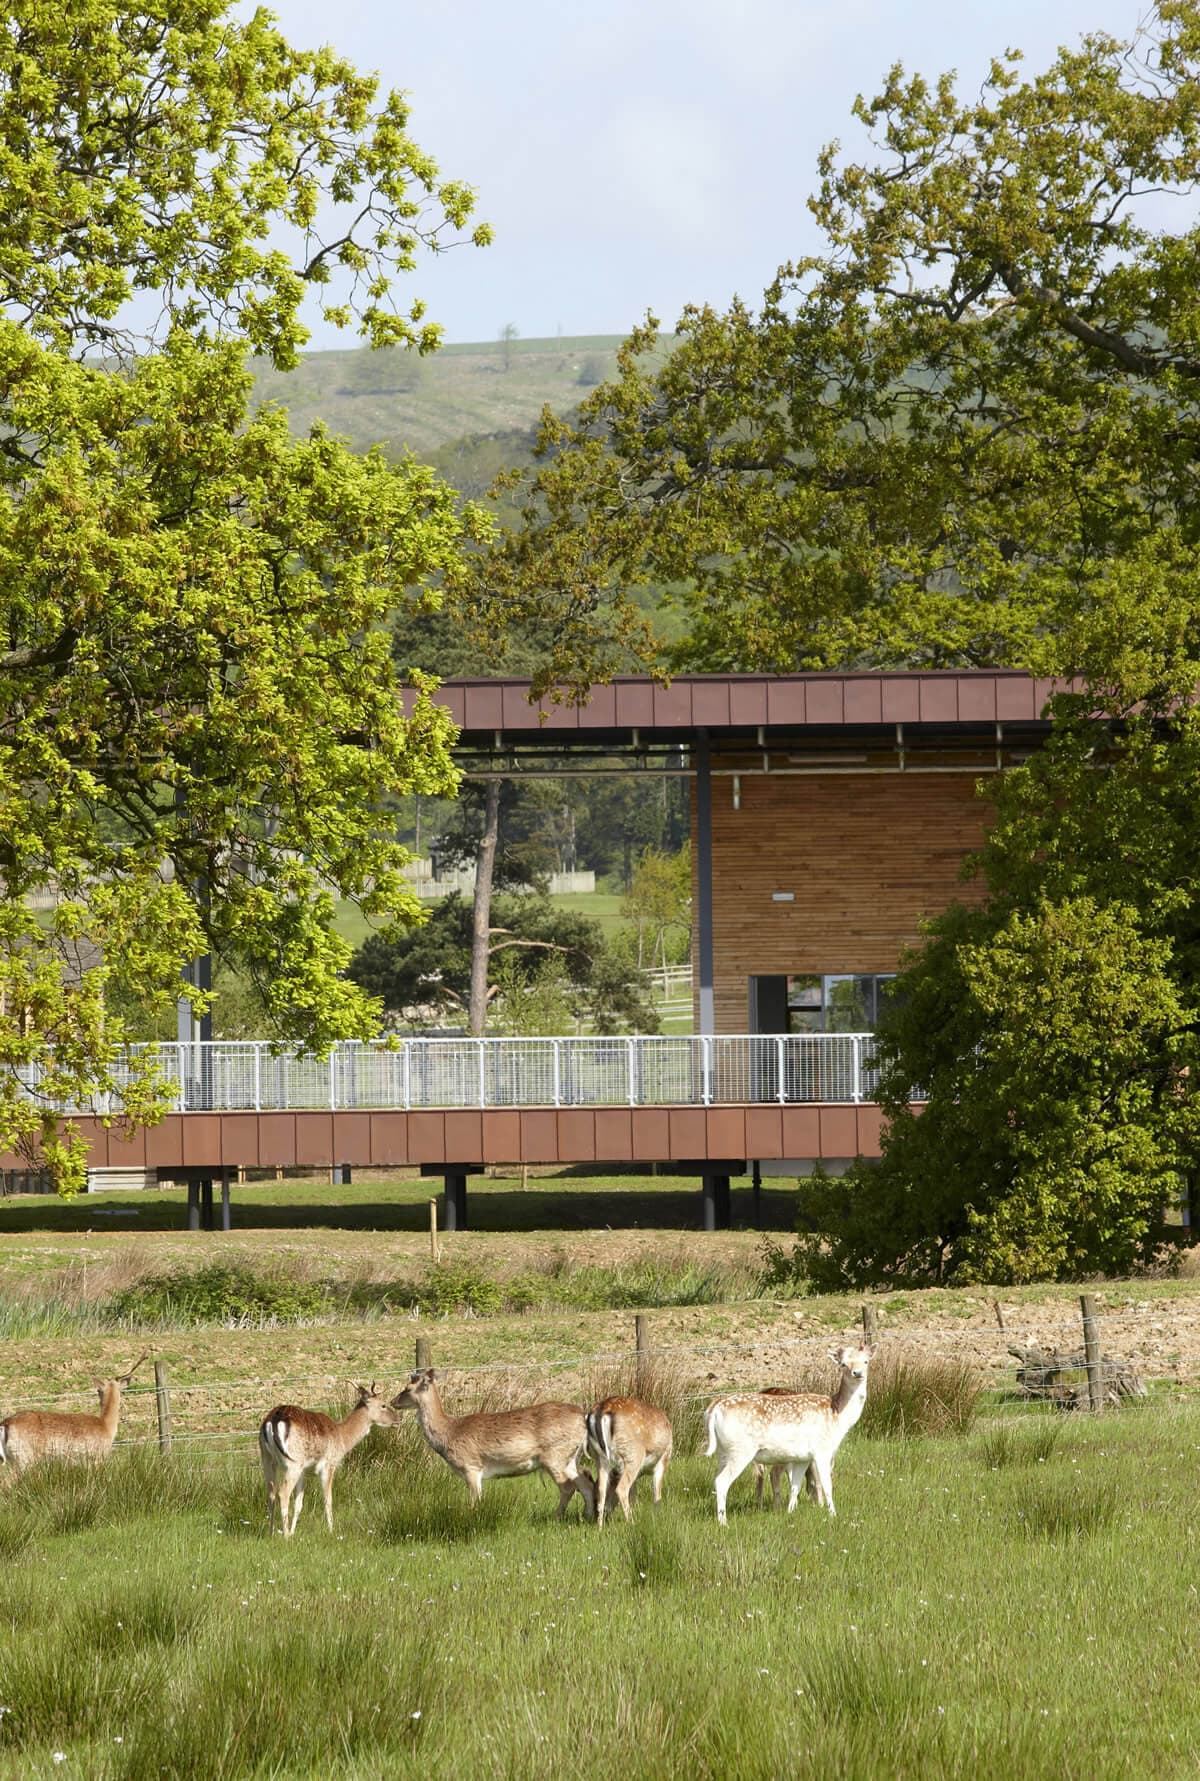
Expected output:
(198, 717)
(658, 901)
(934, 438)
(509, 334)
(430, 969)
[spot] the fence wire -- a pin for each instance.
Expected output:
(215, 1402)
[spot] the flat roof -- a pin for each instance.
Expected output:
(731, 707)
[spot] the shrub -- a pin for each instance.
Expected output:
(221, 1293)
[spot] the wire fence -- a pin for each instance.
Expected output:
(1065, 1366)
(634, 1070)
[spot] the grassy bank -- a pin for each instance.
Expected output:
(1016, 1611)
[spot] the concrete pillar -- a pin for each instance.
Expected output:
(226, 1219)
(193, 1204)
(206, 1204)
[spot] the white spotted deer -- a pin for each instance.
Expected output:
(760, 1472)
(33, 1435)
(627, 1437)
(549, 1438)
(795, 1429)
(294, 1442)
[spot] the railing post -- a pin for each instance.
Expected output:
(557, 1076)
(706, 1069)
(856, 1054)
(332, 1081)
(406, 1073)
(179, 1050)
(258, 1075)
(780, 1070)
(482, 1072)
(631, 1058)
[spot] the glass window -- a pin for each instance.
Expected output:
(837, 1002)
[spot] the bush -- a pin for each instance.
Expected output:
(221, 1293)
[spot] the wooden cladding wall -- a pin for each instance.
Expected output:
(866, 858)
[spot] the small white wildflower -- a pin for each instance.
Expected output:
(415, 1715)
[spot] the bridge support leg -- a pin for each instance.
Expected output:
(456, 1202)
(717, 1202)
(206, 1204)
(193, 1209)
(226, 1219)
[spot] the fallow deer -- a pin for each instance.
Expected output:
(760, 1472)
(293, 1442)
(549, 1438)
(32, 1435)
(794, 1429)
(627, 1437)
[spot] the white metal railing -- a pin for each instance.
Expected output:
(690, 1070)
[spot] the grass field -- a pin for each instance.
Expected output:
(983, 1607)
(1011, 1599)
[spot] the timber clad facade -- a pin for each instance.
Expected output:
(866, 858)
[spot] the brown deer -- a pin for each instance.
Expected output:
(293, 1442)
(627, 1437)
(32, 1435)
(795, 1429)
(549, 1438)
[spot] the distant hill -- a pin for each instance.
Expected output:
(399, 401)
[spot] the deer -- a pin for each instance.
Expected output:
(795, 1429)
(627, 1437)
(294, 1442)
(760, 1472)
(32, 1435)
(549, 1438)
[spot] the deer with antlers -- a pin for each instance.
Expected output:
(33, 1435)
(294, 1442)
(549, 1438)
(796, 1429)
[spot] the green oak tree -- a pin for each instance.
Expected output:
(933, 437)
(199, 716)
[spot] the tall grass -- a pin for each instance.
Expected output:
(950, 1621)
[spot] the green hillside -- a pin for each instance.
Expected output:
(397, 400)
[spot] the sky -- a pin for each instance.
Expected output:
(646, 154)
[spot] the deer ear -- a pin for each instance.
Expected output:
(835, 1355)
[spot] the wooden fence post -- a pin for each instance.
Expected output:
(433, 1232)
(424, 1358)
(639, 1328)
(868, 1322)
(1091, 1352)
(162, 1395)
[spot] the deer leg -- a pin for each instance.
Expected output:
(760, 1476)
(811, 1485)
(796, 1475)
(625, 1488)
(602, 1482)
(326, 1475)
(656, 1481)
(283, 1492)
(729, 1473)
(824, 1469)
(776, 1484)
(298, 1500)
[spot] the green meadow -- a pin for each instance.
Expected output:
(1014, 1600)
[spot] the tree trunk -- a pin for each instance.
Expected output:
(485, 861)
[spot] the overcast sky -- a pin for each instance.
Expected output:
(648, 153)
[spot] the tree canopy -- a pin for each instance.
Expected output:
(199, 718)
(935, 440)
